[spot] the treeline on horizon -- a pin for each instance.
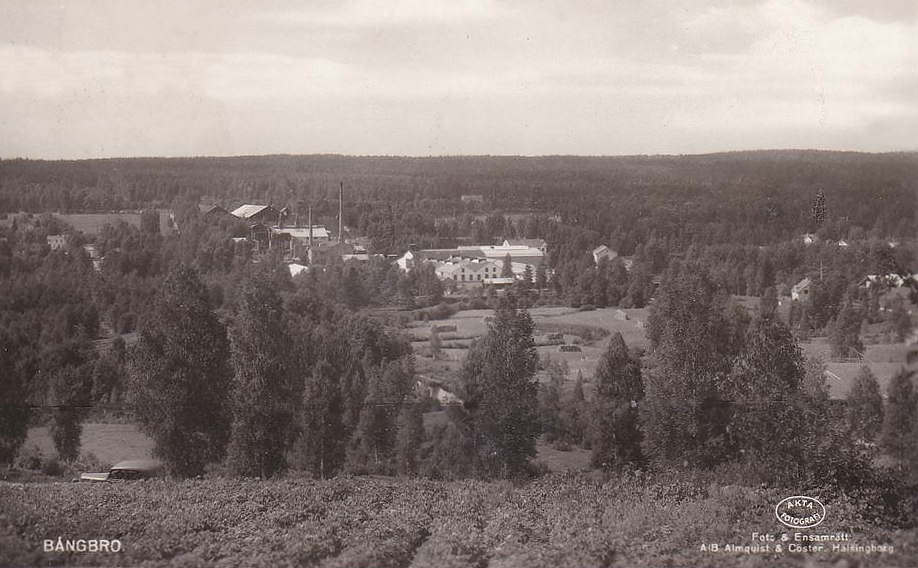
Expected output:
(752, 198)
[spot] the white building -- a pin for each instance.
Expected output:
(477, 263)
(58, 242)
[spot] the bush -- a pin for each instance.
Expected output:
(29, 457)
(126, 323)
(52, 467)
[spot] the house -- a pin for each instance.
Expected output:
(211, 210)
(296, 268)
(58, 242)
(886, 280)
(264, 214)
(434, 389)
(843, 243)
(472, 198)
(800, 292)
(809, 238)
(601, 252)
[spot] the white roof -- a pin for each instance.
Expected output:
(513, 251)
(246, 211)
(318, 232)
(296, 268)
(800, 285)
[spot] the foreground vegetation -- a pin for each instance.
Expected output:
(557, 520)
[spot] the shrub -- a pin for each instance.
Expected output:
(29, 457)
(52, 467)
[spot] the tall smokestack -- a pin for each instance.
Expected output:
(310, 226)
(340, 211)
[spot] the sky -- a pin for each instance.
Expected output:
(97, 78)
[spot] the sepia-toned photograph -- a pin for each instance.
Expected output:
(458, 283)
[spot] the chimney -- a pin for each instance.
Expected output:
(310, 226)
(340, 212)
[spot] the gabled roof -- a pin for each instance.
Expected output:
(533, 243)
(246, 211)
(206, 208)
(800, 285)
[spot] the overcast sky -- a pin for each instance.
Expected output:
(83, 79)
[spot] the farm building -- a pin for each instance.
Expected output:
(601, 252)
(211, 210)
(800, 292)
(264, 214)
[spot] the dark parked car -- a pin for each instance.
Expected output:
(128, 470)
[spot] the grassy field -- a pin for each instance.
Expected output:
(472, 324)
(110, 443)
(557, 520)
(883, 360)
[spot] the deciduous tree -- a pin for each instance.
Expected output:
(265, 383)
(180, 377)
(865, 407)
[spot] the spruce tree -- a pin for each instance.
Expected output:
(615, 435)
(501, 393)
(900, 416)
(265, 389)
(574, 414)
(180, 377)
(865, 407)
(550, 403)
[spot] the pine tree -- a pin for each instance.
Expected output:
(615, 435)
(900, 417)
(865, 407)
(180, 377)
(501, 392)
(265, 390)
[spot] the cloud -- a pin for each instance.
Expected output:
(374, 13)
(416, 76)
